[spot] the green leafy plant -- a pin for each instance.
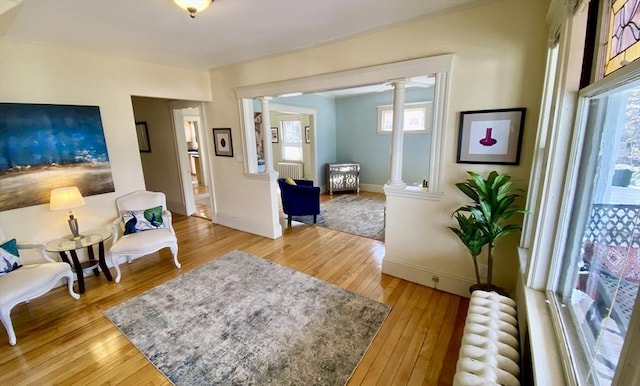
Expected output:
(471, 236)
(493, 204)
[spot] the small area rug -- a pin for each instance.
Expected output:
(243, 320)
(360, 215)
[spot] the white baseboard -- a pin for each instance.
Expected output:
(273, 232)
(372, 188)
(421, 275)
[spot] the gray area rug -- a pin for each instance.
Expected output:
(242, 320)
(359, 215)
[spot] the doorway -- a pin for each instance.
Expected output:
(176, 155)
(192, 157)
(199, 179)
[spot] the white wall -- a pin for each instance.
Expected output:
(33, 73)
(500, 49)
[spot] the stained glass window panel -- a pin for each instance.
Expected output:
(623, 46)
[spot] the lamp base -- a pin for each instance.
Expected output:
(73, 227)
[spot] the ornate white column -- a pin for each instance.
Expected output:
(266, 134)
(397, 134)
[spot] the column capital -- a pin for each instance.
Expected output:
(265, 98)
(399, 82)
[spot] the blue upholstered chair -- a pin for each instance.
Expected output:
(302, 199)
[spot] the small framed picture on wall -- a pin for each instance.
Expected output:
(223, 144)
(275, 138)
(307, 134)
(491, 136)
(143, 137)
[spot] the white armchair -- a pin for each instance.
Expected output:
(142, 233)
(29, 282)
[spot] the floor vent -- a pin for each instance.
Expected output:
(489, 351)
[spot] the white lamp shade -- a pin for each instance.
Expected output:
(65, 198)
(193, 6)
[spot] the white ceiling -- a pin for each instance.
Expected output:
(229, 31)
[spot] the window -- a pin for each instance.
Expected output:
(583, 218)
(417, 117)
(291, 139)
(597, 283)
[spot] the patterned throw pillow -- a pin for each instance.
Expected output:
(142, 220)
(9, 257)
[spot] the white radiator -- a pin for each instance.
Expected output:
(290, 169)
(489, 351)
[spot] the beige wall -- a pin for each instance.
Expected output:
(500, 49)
(34, 73)
(160, 167)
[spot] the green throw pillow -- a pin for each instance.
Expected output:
(142, 220)
(9, 257)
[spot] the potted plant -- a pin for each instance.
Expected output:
(493, 204)
(472, 238)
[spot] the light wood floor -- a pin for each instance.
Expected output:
(63, 341)
(202, 210)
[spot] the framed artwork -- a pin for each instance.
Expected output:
(275, 138)
(491, 136)
(46, 146)
(143, 137)
(223, 144)
(307, 134)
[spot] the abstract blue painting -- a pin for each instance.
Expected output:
(43, 147)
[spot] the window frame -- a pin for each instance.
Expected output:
(627, 371)
(426, 105)
(284, 143)
(606, 86)
(540, 240)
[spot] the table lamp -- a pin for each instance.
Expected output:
(68, 198)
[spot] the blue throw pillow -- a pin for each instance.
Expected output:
(142, 220)
(9, 257)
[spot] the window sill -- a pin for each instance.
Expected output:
(386, 132)
(545, 353)
(412, 192)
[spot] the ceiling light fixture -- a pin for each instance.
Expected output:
(193, 6)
